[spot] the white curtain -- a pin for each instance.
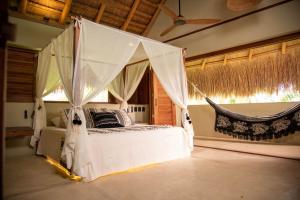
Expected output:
(167, 63)
(47, 80)
(63, 48)
(116, 87)
(99, 60)
(123, 90)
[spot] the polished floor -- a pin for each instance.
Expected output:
(208, 174)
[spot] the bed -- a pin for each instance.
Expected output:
(120, 149)
(93, 67)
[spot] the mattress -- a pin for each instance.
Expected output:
(121, 150)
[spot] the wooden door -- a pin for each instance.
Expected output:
(163, 109)
(21, 68)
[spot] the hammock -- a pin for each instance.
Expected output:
(255, 128)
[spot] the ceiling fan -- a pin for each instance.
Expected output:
(179, 20)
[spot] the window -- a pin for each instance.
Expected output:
(283, 95)
(59, 95)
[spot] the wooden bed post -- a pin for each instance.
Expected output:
(184, 55)
(75, 46)
(76, 38)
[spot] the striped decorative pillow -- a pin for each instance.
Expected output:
(123, 117)
(105, 120)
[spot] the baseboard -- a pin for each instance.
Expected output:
(274, 150)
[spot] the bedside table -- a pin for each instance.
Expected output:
(18, 131)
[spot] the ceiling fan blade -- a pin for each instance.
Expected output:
(202, 21)
(168, 12)
(168, 30)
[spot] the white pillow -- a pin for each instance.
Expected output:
(123, 117)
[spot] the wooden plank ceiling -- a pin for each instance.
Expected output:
(136, 16)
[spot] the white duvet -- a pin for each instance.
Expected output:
(119, 151)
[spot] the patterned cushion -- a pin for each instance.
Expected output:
(88, 118)
(123, 117)
(105, 120)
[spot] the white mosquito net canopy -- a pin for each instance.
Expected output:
(101, 54)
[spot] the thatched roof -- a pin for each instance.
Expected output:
(246, 72)
(136, 16)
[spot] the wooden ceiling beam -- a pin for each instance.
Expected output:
(136, 26)
(42, 9)
(35, 18)
(100, 13)
(108, 6)
(141, 26)
(123, 7)
(58, 5)
(134, 30)
(65, 11)
(150, 4)
(114, 17)
(156, 14)
(23, 6)
(131, 13)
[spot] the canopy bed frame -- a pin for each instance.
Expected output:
(89, 57)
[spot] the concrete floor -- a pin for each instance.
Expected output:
(208, 174)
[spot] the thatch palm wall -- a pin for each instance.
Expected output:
(244, 73)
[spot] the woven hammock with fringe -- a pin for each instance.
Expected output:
(256, 128)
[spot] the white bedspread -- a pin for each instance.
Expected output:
(121, 151)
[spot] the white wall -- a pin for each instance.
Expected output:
(266, 24)
(14, 112)
(33, 35)
(203, 117)
(270, 23)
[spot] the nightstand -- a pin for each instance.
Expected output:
(18, 131)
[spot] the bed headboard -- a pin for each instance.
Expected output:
(138, 112)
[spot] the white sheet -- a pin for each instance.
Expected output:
(121, 151)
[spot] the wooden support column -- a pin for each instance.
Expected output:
(153, 19)
(65, 11)
(225, 60)
(283, 48)
(23, 6)
(131, 13)
(203, 64)
(7, 32)
(250, 54)
(100, 12)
